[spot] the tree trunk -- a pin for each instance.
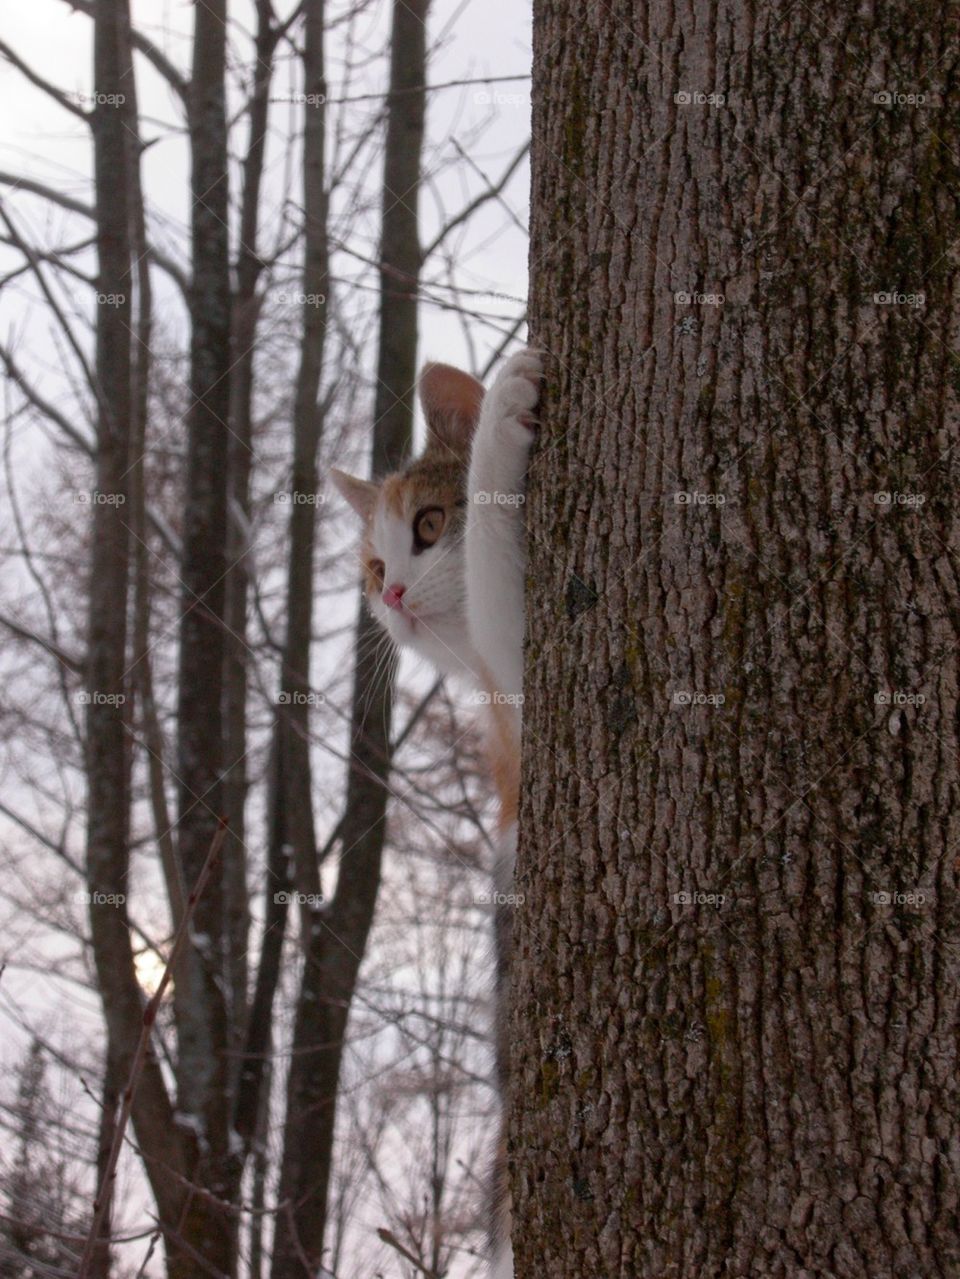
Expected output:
(107, 752)
(203, 1079)
(736, 967)
(334, 949)
(246, 313)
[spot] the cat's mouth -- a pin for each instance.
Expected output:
(413, 621)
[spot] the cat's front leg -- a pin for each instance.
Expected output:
(495, 550)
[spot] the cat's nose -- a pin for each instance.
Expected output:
(393, 596)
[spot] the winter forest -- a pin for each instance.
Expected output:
(227, 237)
(319, 960)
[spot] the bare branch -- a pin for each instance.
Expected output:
(491, 193)
(50, 89)
(64, 658)
(156, 57)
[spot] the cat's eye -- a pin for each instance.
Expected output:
(427, 526)
(377, 568)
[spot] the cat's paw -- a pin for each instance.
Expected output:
(515, 392)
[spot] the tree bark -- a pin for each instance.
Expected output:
(735, 988)
(335, 945)
(203, 1079)
(246, 313)
(107, 754)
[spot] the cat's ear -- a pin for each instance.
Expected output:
(451, 404)
(361, 494)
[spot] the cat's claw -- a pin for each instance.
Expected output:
(515, 392)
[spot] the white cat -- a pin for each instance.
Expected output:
(443, 556)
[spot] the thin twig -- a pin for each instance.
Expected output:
(389, 1237)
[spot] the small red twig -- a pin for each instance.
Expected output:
(136, 1066)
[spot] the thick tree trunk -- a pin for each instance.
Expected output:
(736, 969)
(334, 948)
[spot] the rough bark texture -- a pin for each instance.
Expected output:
(335, 945)
(766, 1083)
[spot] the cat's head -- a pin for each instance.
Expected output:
(411, 550)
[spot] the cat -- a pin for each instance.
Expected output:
(443, 555)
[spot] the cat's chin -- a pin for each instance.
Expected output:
(441, 641)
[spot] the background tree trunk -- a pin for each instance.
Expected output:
(107, 749)
(335, 945)
(203, 1075)
(736, 969)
